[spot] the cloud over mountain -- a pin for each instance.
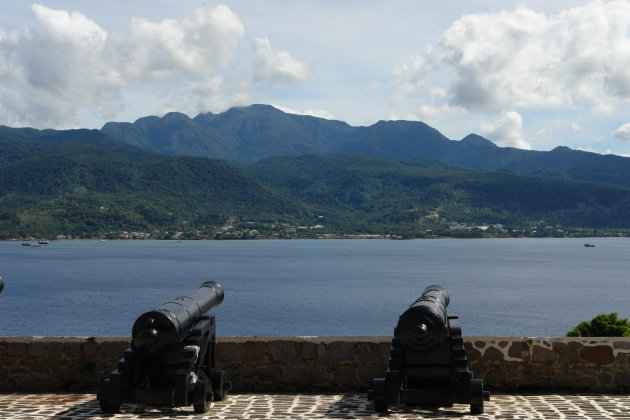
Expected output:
(69, 63)
(507, 130)
(277, 66)
(623, 132)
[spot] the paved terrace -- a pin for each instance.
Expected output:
(321, 406)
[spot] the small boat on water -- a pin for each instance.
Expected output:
(589, 245)
(32, 244)
(43, 242)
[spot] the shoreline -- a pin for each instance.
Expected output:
(50, 241)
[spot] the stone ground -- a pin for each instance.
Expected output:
(318, 406)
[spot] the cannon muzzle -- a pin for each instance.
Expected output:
(423, 325)
(159, 330)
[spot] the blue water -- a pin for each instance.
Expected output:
(498, 287)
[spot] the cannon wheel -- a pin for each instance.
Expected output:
(103, 402)
(202, 396)
(379, 395)
(220, 384)
(476, 396)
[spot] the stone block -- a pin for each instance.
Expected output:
(229, 352)
(597, 354)
(255, 350)
(54, 349)
(282, 350)
(566, 354)
(16, 349)
(268, 373)
(72, 349)
(368, 352)
(493, 354)
(472, 354)
(295, 375)
(243, 370)
(623, 379)
(113, 349)
(604, 378)
(308, 350)
(89, 350)
(36, 349)
(322, 377)
(621, 345)
(341, 350)
(344, 377)
(543, 355)
(518, 350)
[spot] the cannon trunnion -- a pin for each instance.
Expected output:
(427, 363)
(171, 358)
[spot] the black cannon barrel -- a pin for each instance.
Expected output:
(422, 326)
(160, 329)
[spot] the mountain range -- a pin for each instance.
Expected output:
(268, 168)
(248, 134)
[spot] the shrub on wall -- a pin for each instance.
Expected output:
(603, 325)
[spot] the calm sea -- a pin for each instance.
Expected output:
(500, 287)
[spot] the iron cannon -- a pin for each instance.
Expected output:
(427, 362)
(171, 358)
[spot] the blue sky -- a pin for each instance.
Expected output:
(530, 74)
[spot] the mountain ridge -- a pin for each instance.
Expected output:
(248, 134)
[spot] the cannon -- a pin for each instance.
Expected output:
(427, 362)
(170, 360)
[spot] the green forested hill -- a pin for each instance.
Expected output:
(391, 191)
(79, 182)
(90, 190)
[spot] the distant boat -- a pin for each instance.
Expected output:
(43, 242)
(32, 244)
(589, 245)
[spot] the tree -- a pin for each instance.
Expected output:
(603, 325)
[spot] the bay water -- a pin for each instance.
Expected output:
(498, 287)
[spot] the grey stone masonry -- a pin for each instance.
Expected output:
(325, 364)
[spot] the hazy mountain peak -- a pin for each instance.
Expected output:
(175, 116)
(562, 149)
(477, 140)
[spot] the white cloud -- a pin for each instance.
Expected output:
(623, 132)
(320, 113)
(198, 45)
(277, 66)
(507, 130)
(430, 112)
(516, 59)
(68, 62)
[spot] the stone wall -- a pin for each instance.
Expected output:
(328, 363)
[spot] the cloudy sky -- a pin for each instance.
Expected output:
(530, 74)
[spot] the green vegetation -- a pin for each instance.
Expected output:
(603, 325)
(92, 191)
(81, 183)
